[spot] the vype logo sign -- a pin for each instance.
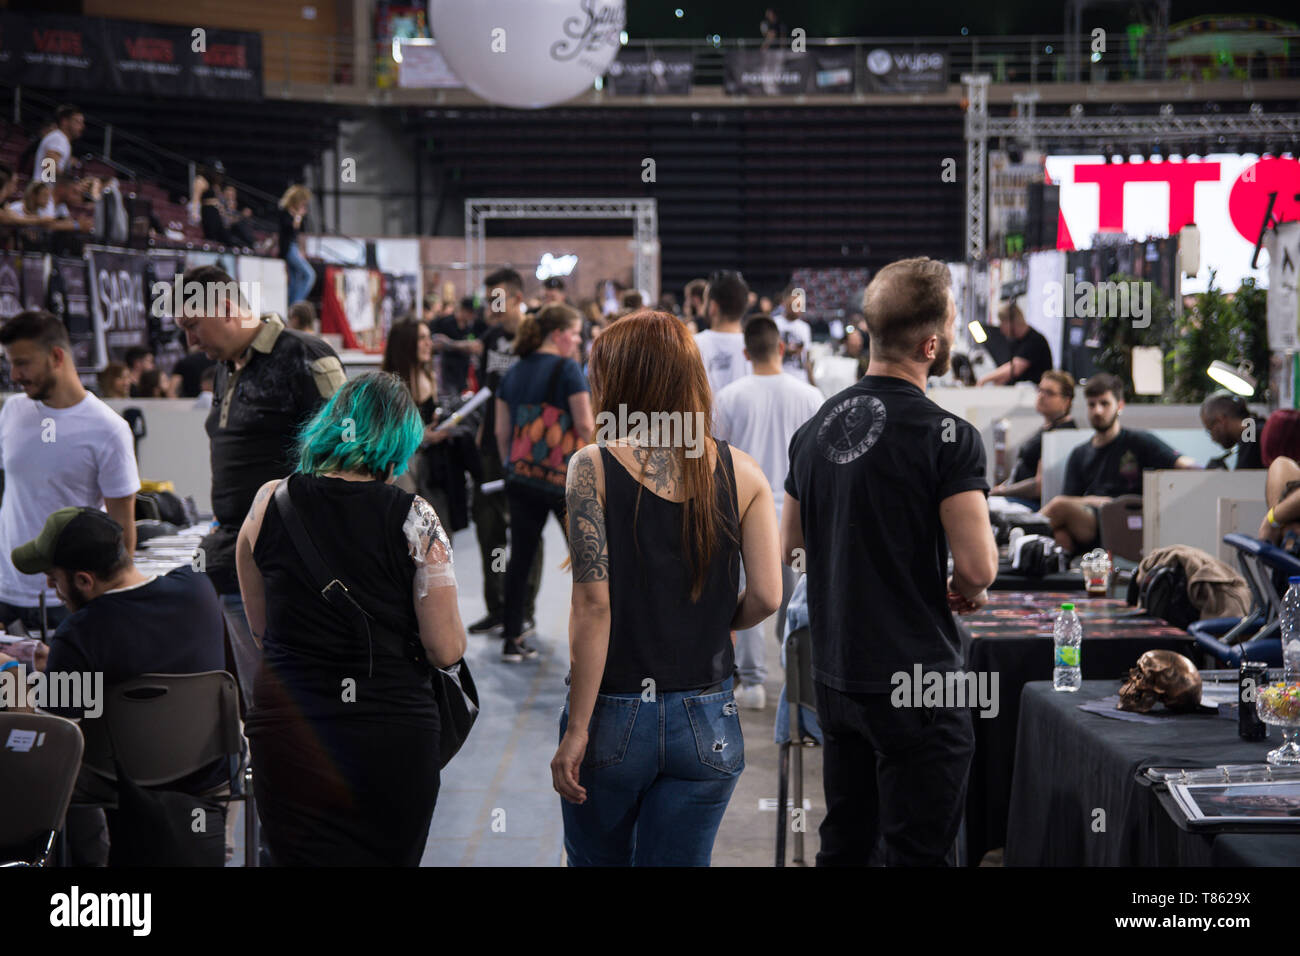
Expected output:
(881, 62)
(1225, 195)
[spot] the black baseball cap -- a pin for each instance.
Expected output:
(554, 282)
(76, 539)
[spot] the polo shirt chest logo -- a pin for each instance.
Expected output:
(851, 429)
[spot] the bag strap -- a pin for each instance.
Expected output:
(334, 591)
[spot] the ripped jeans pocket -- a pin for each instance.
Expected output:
(715, 722)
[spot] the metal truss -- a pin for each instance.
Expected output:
(977, 155)
(1149, 129)
(1048, 131)
(644, 214)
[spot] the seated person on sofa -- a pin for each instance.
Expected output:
(1232, 424)
(1108, 466)
(1055, 396)
(121, 624)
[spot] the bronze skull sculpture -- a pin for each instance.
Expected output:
(1165, 676)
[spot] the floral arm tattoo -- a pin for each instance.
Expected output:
(429, 548)
(588, 545)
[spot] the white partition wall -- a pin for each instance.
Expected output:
(1199, 507)
(175, 447)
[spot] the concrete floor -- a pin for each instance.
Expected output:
(497, 807)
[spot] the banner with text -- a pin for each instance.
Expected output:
(128, 57)
(781, 72)
(642, 73)
(120, 299)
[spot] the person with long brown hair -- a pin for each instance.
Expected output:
(660, 516)
(543, 414)
(438, 464)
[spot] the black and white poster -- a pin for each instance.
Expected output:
(119, 299)
(68, 297)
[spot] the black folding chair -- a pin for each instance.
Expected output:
(39, 758)
(160, 728)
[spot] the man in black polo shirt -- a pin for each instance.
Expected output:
(1100, 470)
(269, 380)
(882, 483)
(1031, 356)
(1231, 424)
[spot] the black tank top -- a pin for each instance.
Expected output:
(656, 630)
(309, 650)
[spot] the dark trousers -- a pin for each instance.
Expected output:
(894, 776)
(528, 511)
(31, 617)
(491, 519)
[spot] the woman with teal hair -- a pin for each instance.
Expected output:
(343, 727)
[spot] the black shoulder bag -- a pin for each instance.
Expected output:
(453, 686)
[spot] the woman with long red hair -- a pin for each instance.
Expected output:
(659, 517)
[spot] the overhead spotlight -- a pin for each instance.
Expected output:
(977, 332)
(679, 13)
(1238, 380)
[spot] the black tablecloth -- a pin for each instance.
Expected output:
(1012, 637)
(1070, 764)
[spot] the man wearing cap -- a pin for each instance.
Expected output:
(121, 624)
(59, 446)
(269, 380)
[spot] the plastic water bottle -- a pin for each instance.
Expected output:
(1291, 632)
(1067, 636)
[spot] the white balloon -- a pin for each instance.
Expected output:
(527, 53)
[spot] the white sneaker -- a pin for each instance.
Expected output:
(751, 696)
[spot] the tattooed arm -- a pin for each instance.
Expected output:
(589, 613)
(251, 586)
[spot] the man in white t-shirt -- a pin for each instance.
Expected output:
(722, 344)
(56, 145)
(796, 336)
(759, 414)
(60, 447)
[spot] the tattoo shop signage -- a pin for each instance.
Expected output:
(906, 71)
(127, 57)
(120, 301)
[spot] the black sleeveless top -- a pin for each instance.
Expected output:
(656, 630)
(309, 649)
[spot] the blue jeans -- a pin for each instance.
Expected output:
(659, 775)
(301, 275)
